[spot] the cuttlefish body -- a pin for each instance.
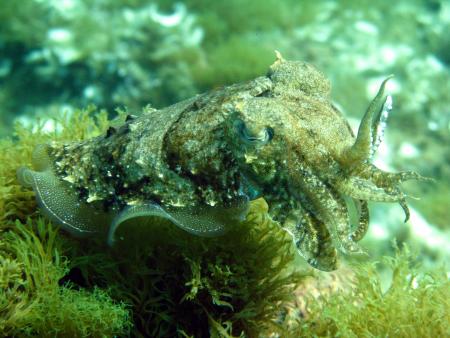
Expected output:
(199, 162)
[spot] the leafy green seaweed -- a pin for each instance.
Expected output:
(415, 304)
(159, 281)
(169, 282)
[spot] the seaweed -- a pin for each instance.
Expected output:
(32, 301)
(415, 303)
(165, 281)
(159, 281)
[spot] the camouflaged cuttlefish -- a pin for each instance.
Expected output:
(199, 162)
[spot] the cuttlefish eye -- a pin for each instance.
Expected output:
(261, 137)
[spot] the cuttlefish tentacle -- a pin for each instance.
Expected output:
(363, 220)
(368, 132)
(362, 189)
(313, 241)
(329, 208)
(384, 179)
(379, 125)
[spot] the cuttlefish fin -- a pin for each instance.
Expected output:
(203, 221)
(61, 205)
(58, 201)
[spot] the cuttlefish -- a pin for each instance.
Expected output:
(198, 164)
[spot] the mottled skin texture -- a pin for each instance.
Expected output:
(277, 136)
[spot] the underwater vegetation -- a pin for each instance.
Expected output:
(32, 300)
(161, 281)
(59, 55)
(167, 284)
(414, 304)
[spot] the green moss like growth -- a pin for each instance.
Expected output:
(160, 281)
(31, 300)
(231, 285)
(238, 58)
(415, 304)
(172, 282)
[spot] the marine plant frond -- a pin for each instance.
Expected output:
(31, 266)
(415, 303)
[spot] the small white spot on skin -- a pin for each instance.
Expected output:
(133, 126)
(177, 203)
(134, 202)
(211, 202)
(250, 158)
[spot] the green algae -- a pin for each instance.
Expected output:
(415, 303)
(159, 281)
(170, 283)
(33, 303)
(33, 261)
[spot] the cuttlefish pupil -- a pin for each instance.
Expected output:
(196, 165)
(262, 137)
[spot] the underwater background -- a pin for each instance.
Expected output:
(68, 67)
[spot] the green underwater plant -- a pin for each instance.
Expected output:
(415, 304)
(32, 301)
(171, 282)
(160, 281)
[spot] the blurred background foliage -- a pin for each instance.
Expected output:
(56, 55)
